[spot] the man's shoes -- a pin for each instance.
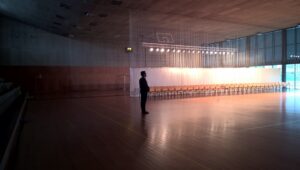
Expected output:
(145, 112)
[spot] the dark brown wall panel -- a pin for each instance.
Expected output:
(48, 79)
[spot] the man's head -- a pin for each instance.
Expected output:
(143, 73)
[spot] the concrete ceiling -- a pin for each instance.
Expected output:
(115, 19)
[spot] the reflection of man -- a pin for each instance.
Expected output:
(144, 89)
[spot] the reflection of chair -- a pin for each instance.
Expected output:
(235, 87)
(288, 85)
(226, 88)
(178, 90)
(190, 89)
(201, 88)
(196, 89)
(275, 86)
(252, 87)
(285, 85)
(267, 86)
(164, 90)
(278, 85)
(158, 90)
(245, 87)
(172, 90)
(217, 88)
(206, 88)
(256, 87)
(152, 91)
(184, 89)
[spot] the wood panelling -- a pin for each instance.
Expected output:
(47, 79)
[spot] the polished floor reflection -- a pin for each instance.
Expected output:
(253, 131)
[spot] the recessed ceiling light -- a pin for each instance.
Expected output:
(103, 15)
(93, 24)
(86, 13)
(60, 17)
(64, 5)
(57, 23)
(116, 2)
(53, 27)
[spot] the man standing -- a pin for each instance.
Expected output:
(144, 89)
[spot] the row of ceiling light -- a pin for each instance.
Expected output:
(162, 50)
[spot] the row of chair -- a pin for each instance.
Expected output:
(216, 88)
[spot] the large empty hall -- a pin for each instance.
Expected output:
(149, 84)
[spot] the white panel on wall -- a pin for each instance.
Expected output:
(167, 76)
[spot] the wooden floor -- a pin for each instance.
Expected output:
(253, 131)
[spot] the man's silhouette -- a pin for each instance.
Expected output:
(144, 89)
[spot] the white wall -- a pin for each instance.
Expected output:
(166, 76)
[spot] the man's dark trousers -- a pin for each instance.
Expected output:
(143, 101)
